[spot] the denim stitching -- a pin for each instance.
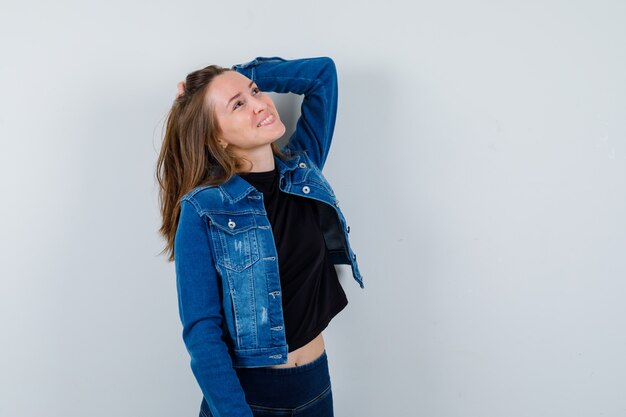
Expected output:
(198, 189)
(315, 400)
(252, 306)
(236, 213)
(310, 80)
(272, 409)
(299, 408)
(194, 203)
(251, 254)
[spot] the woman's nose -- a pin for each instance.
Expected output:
(258, 105)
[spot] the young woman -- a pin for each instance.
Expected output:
(255, 232)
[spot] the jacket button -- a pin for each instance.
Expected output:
(231, 224)
(354, 256)
(348, 229)
(336, 203)
(302, 165)
(306, 190)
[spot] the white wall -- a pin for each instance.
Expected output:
(479, 156)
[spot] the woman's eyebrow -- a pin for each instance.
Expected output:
(238, 94)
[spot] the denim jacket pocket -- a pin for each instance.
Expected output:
(235, 239)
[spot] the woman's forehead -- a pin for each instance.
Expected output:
(227, 85)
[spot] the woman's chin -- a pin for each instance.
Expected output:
(279, 131)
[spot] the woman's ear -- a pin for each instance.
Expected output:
(222, 143)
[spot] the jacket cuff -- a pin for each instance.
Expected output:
(247, 68)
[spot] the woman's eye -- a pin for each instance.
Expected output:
(237, 104)
(256, 91)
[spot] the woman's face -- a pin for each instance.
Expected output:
(246, 116)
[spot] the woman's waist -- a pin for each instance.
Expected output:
(305, 354)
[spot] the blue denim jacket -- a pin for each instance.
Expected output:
(228, 283)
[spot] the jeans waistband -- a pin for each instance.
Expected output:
(285, 387)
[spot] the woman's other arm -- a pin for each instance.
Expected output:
(200, 313)
(316, 78)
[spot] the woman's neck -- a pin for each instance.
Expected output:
(258, 160)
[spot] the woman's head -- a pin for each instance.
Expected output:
(247, 117)
(219, 118)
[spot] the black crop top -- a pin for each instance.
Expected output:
(311, 292)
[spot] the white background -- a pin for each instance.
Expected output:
(479, 155)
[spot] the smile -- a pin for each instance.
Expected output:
(267, 121)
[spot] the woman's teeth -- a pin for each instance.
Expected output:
(267, 120)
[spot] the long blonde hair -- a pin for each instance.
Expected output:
(190, 155)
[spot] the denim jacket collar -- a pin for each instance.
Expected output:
(237, 188)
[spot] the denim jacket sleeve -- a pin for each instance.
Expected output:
(316, 78)
(200, 313)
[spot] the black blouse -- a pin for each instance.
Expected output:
(311, 292)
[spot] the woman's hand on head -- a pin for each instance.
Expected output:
(181, 89)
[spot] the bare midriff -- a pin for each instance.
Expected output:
(304, 354)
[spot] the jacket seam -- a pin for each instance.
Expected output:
(194, 203)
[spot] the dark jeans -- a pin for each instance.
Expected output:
(302, 391)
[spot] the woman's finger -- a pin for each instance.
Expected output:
(181, 89)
